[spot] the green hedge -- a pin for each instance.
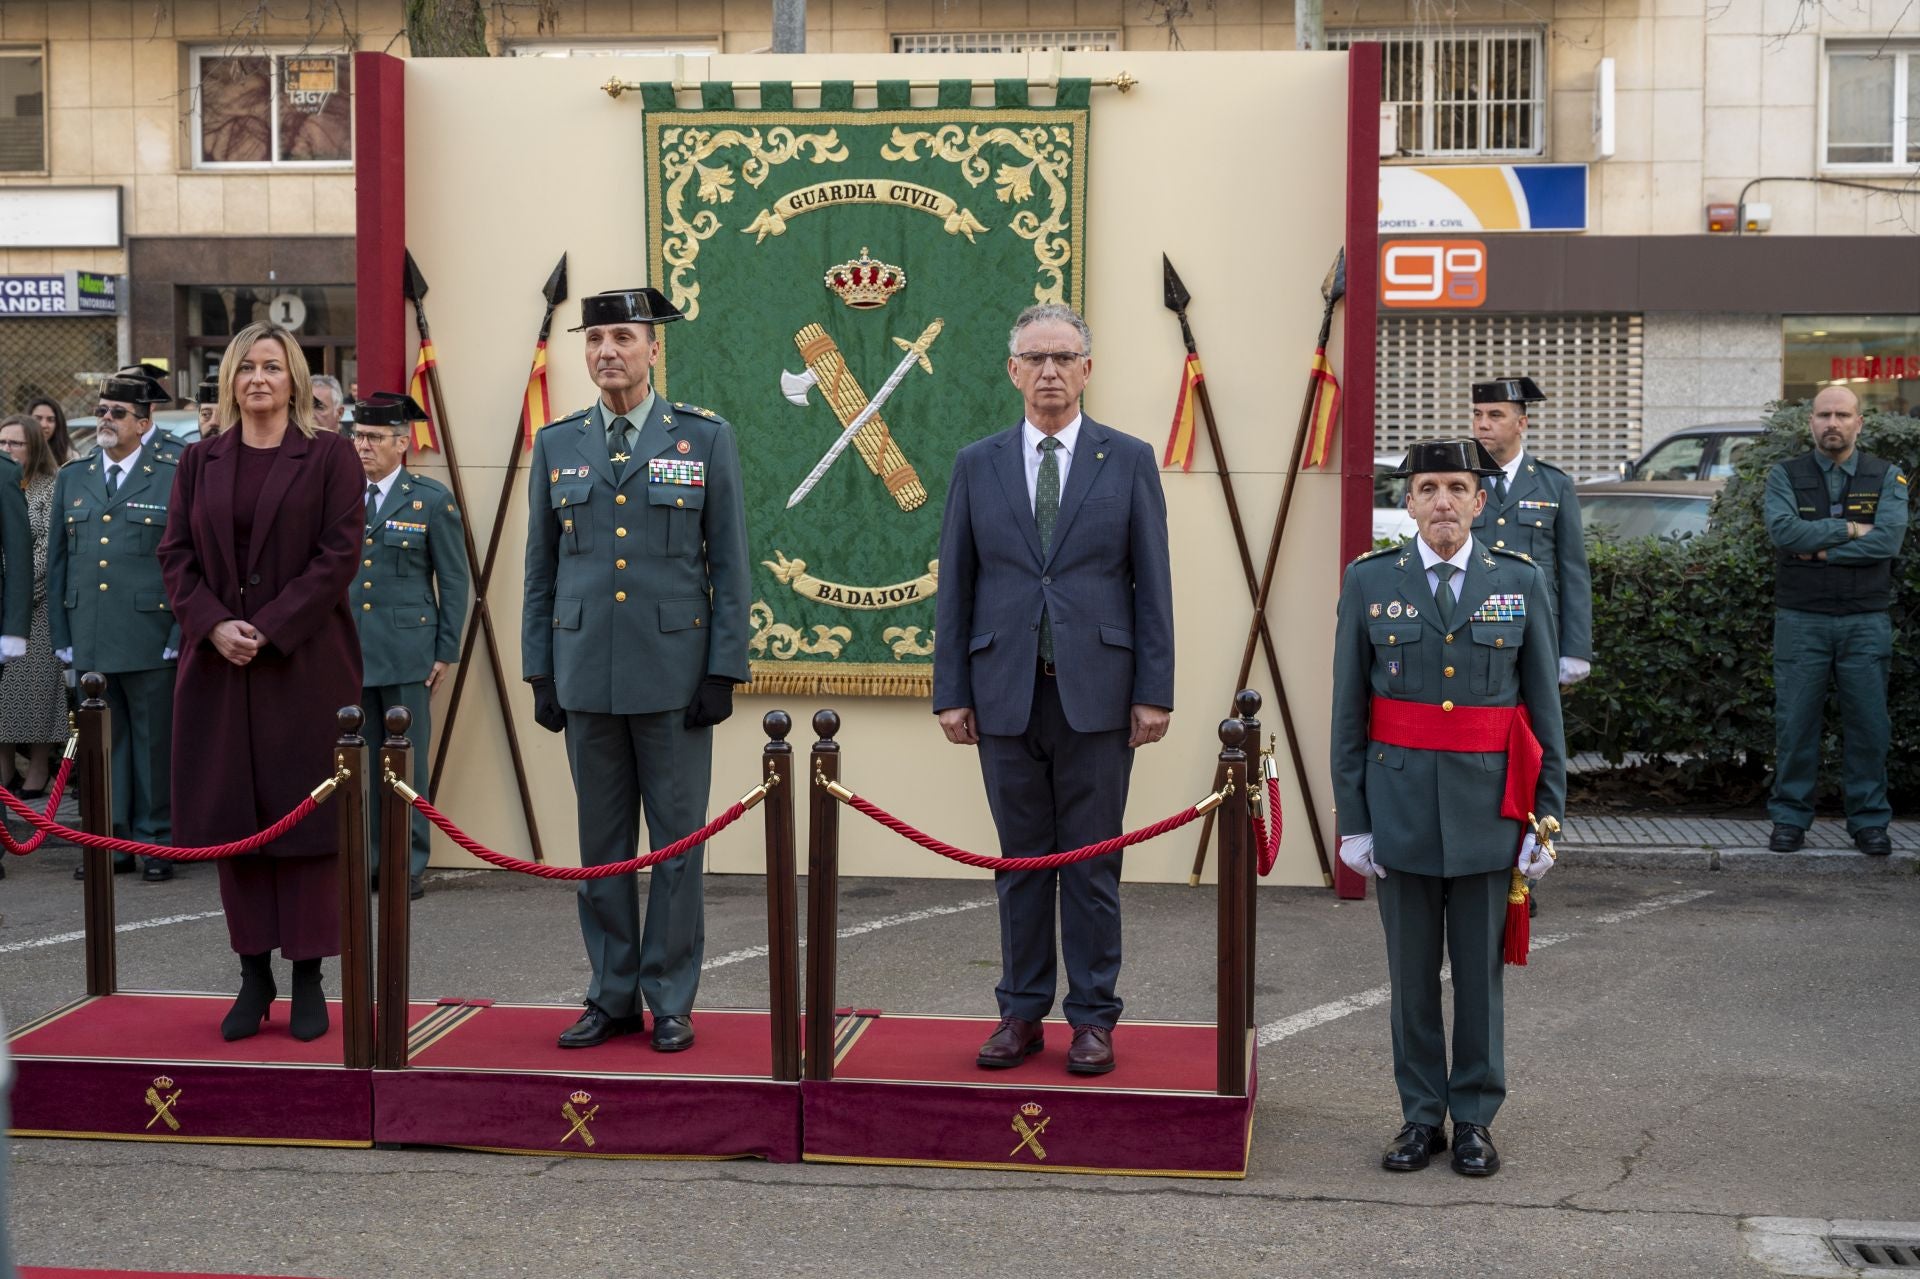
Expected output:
(1683, 629)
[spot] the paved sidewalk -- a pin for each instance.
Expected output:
(1719, 843)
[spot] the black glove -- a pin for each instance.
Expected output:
(546, 706)
(712, 702)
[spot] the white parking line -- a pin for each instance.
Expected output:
(855, 930)
(1319, 1015)
(59, 938)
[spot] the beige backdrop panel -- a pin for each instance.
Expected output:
(1233, 163)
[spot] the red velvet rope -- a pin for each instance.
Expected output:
(606, 870)
(59, 788)
(211, 852)
(1267, 842)
(1048, 862)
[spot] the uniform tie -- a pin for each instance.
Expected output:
(373, 500)
(1443, 593)
(617, 446)
(113, 479)
(1500, 489)
(1046, 513)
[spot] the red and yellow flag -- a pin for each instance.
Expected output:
(536, 410)
(1180, 439)
(426, 435)
(1325, 414)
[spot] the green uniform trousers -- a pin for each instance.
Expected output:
(622, 763)
(1467, 916)
(376, 701)
(1813, 652)
(141, 703)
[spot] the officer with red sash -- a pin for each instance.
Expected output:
(1446, 736)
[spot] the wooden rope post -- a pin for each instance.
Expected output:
(356, 929)
(94, 763)
(783, 899)
(823, 895)
(1247, 702)
(1231, 971)
(396, 838)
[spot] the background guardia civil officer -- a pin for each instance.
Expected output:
(633, 636)
(1532, 509)
(1442, 642)
(109, 610)
(412, 597)
(1837, 516)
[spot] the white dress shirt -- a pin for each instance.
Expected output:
(386, 490)
(1030, 436)
(1429, 557)
(126, 465)
(1513, 469)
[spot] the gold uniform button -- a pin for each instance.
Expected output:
(103, 541)
(369, 541)
(619, 563)
(1446, 706)
(366, 608)
(1449, 639)
(106, 519)
(1380, 755)
(620, 499)
(696, 621)
(679, 501)
(103, 586)
(619, 532)
(1539, 523)
(1448, 672)
(1393, 639)
(1499, 643)
(366, 563)
(103, 563)
(366, 586)
(621, 596)
(1501, 520)
(1501, 542)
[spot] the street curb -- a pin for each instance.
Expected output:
(1753, 861)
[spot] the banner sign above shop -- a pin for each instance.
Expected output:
(1483, 197)
(68, 293)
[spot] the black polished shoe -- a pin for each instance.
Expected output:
(672, 1034)
(307, 1020)
(157, 872)
(1414, 1147)
(1874, 841)
(596, 1027)
(415, 889)
(254, 1003)
(1786, 839)
(1473, 1152)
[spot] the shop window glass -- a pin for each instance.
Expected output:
(23, 111)
(1877, 357)
(277, 108)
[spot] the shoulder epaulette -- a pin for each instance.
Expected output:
(1512, 555)
(574, 416)
(427, 481)
(698, 411)
(1546, 465)
(1377, 552)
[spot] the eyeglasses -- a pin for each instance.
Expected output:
(11, 445)
(114, 411)
(1039, 359)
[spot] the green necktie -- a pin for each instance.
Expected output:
(619, 443)
(1500, 489)
(1443, 594)
(1046, 513)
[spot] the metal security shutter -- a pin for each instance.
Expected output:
(1590, 366)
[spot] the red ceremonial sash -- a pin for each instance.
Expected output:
(1422, 726)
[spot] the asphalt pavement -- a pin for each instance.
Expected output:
(1691, 1054)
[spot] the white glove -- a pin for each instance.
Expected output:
(1357, 852)
(168, 654)
(65, 655)
(12, 646)
(1573, 670)
(1535, 861)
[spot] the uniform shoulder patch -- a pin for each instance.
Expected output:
(697, 410)
(574, 416)
(1512, 555)
(1377, 552)
(1548, 466)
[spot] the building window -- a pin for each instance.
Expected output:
(1006, 41)
(1461, 93)
(1877, 357)
(291, 109)
(23, 110)
(1873, 91)
(630, 49)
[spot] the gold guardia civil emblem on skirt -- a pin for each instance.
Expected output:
(161, 1095)
(578, 1114)
(1028, 1123)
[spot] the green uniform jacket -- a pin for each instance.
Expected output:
(1541, 520)
(16, 554)
(107, 601)
(635, 591)
(1438, 812)
(410, 599)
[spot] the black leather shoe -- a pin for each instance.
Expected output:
(1873, 841)
(1012, 1042)
(1787, 839)
(1473, 1152)
(415, 889)
(1413, 1147)
(157, 872)
(672, 1034)
(595, 1027)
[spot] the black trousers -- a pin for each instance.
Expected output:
(1052, 789)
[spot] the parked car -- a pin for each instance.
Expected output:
(1647, 508)
(182, 423)
(1706, 452)
(1390, 519)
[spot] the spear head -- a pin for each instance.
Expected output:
(416, 284)
(556, 286)
(1177, 296)
(1334, 287)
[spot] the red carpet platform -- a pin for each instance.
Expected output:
(151, 1066)
(488, 1076)
(906, 1091)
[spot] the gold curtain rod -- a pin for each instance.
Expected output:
(1123, 82)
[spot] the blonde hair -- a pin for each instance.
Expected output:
(299, 409)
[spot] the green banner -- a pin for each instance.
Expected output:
(831, 258)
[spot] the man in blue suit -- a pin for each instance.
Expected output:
(1056, 612)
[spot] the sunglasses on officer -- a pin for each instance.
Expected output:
(114, 411)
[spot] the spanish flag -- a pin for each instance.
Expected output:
(1180, 439)
(426, 435)
(536, 410)
(1325, 414)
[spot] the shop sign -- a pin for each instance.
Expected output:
(1483, 197)
(1875, 368)
(68, 293)
(1433, 274)
(310, 82)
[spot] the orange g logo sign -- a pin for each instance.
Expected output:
(1433, 273)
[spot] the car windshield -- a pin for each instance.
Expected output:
(1631, 515)
(1728, 455)
(1677, 459)
(1388, 489)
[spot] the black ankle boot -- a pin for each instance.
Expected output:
(309, 1017)
(255, 1001)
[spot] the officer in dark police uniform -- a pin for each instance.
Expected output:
(1444, 687)
(412, 596)
(633, 636)
(1836, 516)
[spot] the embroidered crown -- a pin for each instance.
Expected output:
(580, 1098)
(864, 283)
(1031, 1109)
(163, 1083)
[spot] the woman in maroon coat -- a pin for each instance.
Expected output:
(259, 553)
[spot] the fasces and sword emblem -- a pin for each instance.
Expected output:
(1028, 1130)
(163, 1105)
(827, 369)
(577, 1113)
